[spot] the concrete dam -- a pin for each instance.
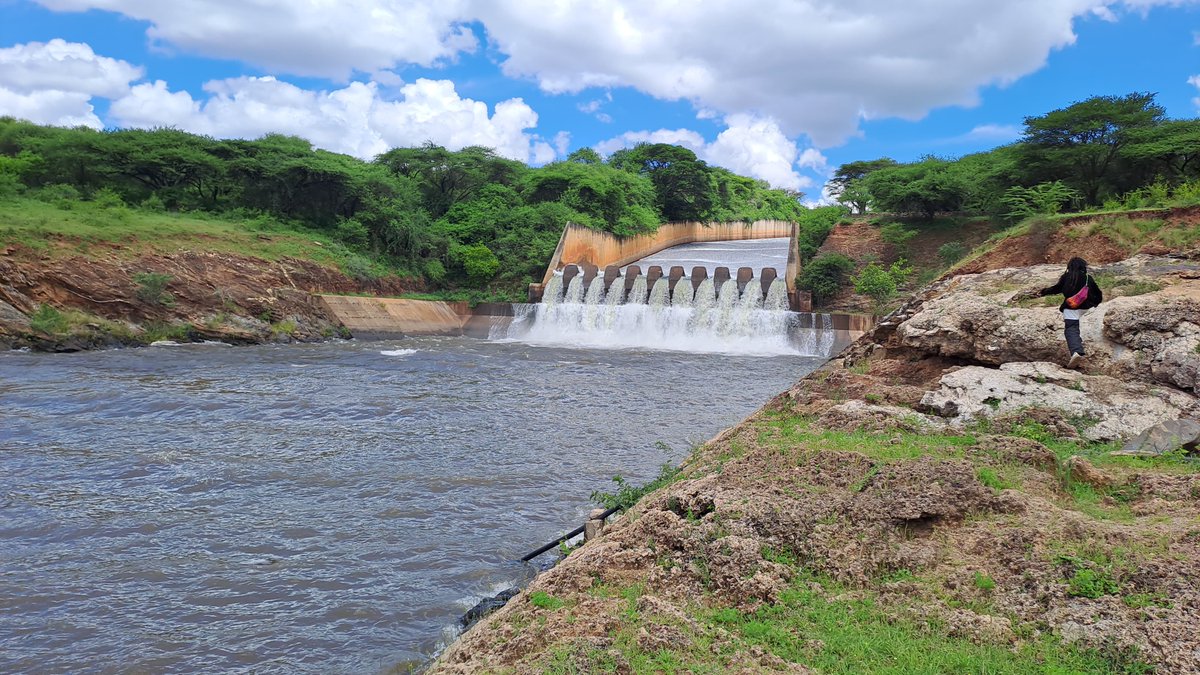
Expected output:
(723, 288)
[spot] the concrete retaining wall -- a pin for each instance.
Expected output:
(579, 245)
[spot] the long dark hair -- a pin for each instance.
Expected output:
(1075, 276)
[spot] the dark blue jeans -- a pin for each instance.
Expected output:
(1074, 342)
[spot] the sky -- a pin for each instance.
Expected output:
(782, 90)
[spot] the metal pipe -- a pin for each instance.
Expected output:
(566, 537)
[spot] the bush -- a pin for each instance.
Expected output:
(951, 252)
(881, 283)
(152, 288)
(897, 235)
(49, 320)
(62, 195)
(359, 268)
(815, 226)
(477, 261)
(435, 271)
(107, 198)
(153, 204)
(824, 275)
(353, 233)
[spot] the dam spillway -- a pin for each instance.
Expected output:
(697, 313)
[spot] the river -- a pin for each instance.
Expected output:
(315, 508)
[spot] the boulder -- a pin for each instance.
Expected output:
(1164, 437)
(1104, 408)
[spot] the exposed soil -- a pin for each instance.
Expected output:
(1071, 238)
(219, 296)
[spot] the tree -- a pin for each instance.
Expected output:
(848, 186)
(681, 181)
(926, 188)
(1081, 144)
(1172, 146)
(585, 156)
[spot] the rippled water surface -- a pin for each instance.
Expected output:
(316, 508)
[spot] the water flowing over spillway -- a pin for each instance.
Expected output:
(710, 319)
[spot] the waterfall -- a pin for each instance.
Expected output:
(777, 299)
(708, 320)
(682, 297)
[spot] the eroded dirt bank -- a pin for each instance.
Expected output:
(942, 497)
(101, 300)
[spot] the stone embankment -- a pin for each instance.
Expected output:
(944, 476)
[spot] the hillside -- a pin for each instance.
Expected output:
(90, 276)
(944, 496)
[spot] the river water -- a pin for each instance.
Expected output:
(315, 508)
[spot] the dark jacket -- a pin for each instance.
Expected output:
(1095, 297)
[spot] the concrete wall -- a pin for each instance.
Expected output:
(392, 316)
(580, 245)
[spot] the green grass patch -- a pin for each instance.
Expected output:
(543, 600)
(832, 631)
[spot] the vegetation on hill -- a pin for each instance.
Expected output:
(463, 219)
(1107, 154)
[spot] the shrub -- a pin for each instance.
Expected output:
(882, 283)
(152, 288)
(107, 198)
(897, 235)
(153, 203)
(1043, 198)
(359, 268)
(49, 320)
(353, 233)
(824, 275)
(951, 252)
(435, 271)
(62, 195)
(477, 261)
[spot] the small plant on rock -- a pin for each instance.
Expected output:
(152, 288)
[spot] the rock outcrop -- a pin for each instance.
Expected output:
(1103, 408)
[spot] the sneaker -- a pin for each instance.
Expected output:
(1075, 359)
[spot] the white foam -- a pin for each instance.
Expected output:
(399, 352)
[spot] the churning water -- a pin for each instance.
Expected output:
(315, 508)
(706, 319)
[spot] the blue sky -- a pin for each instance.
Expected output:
(784, 91)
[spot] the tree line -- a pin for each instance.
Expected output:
(465, 218)
(1088, 155)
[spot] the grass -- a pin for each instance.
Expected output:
(86, 228)
(818, 623)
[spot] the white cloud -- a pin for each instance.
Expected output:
(993, 132)
(1195, 82)
(54, 82)
(816, 66)
(303, 37)
(355, 119)
(751, 146)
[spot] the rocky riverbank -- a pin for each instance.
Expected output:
(942, 497)
(69, 303)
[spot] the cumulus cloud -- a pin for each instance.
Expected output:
(750, 146)
(817, 66)
(54, 82)
(354, 120)
(303, 37)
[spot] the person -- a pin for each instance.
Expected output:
(1080, 293)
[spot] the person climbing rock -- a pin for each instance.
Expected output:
(1080, 293)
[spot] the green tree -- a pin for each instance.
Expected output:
(1081, 144)
(848, 184)
(924, 188)
(681, 181)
